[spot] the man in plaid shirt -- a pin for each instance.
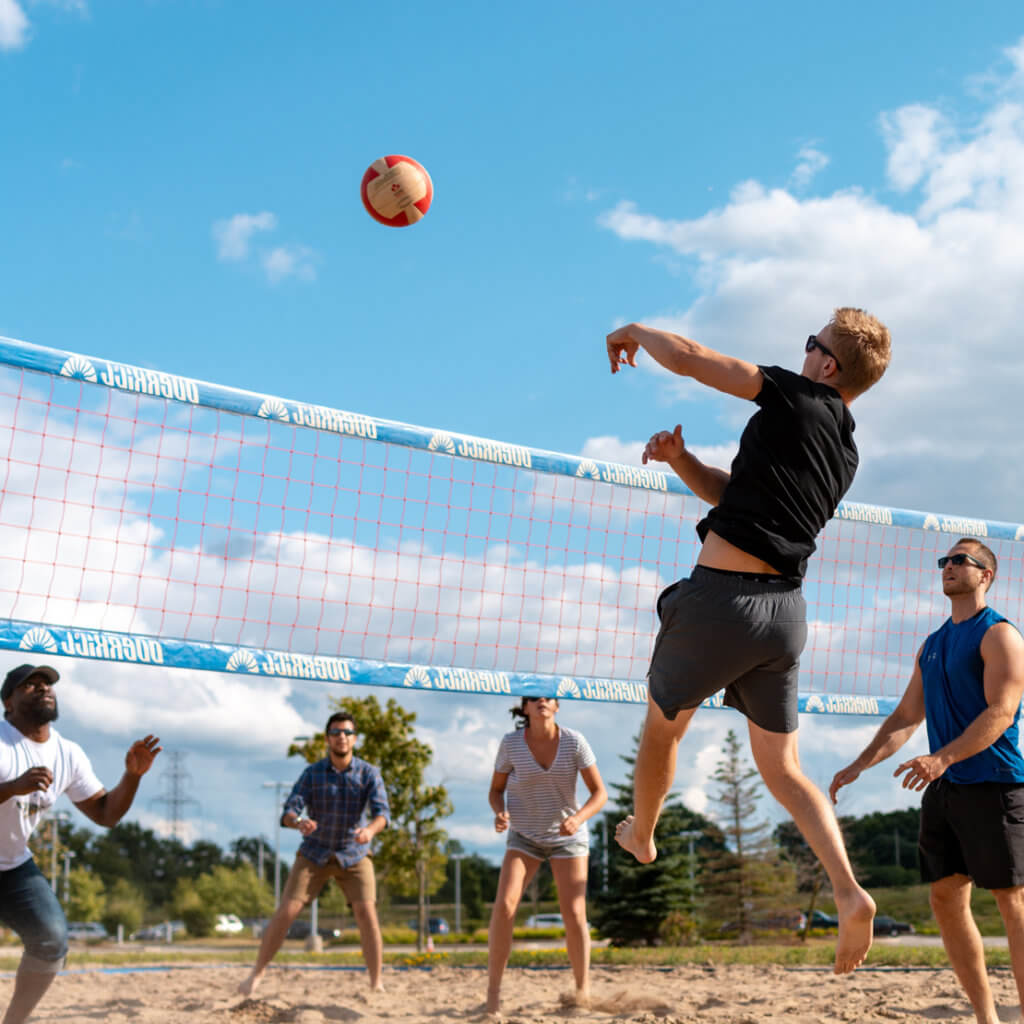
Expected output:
(329, 806)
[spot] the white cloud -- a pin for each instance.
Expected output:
(810, 162)
(289, 261)
(14, 28)
(234, 234)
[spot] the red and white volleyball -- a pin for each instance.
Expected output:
(396, 191)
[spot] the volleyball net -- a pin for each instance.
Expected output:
(159, 520)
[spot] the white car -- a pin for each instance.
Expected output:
(228, 924)
(86, 931)
(545, 921)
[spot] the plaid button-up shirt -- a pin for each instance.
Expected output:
(338, 801)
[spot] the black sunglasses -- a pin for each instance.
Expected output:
(341, 732)
(960, 558)
(813, 343)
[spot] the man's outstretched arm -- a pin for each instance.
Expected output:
(686, 358)
(891, 735)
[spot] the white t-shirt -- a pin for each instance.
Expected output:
(538, 800)
(19, 815)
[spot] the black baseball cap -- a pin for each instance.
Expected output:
(18, 675)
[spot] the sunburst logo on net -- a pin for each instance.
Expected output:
(815, 703)
(417, 676)
(442, 442)
(243, 661)
(79, 368)
(273, 409)
(588, 467)
(38, 639)
(932, 523)
(567, 688)
(1019, 535)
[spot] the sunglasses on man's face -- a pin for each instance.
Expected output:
(813, 343)
(341, 732)
(960, 558)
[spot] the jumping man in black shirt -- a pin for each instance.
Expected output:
(739, 622)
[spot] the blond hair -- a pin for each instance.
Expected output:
(863, 346)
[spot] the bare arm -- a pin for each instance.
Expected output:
(891, 735)
(597, 799)
(707, 482)
(686, 358)
(496, 798)
(108, 808)
(1002, 651)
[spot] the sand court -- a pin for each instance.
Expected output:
(736, 994)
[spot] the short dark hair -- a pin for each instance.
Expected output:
(983, 553)
(339, 716)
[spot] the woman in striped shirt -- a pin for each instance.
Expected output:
(537, 767)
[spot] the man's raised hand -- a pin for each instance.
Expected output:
(665, 446)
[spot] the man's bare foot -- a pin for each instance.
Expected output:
(379, 987)
(493, 1004)
(856, 914)
(644, 852)
(251, 983)
(582, 998)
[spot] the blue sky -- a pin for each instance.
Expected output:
(180, 184)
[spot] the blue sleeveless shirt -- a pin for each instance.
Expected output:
(954, 696)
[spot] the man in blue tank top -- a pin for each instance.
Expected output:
(967, 686)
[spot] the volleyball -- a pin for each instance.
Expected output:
(396, 190)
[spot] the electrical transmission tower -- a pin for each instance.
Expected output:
(174, 796)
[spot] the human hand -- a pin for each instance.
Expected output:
(307, 826)
(920, 771)
(501, 821)
(569, 826)
(621, 347)
(141, 755)
(34, 780)
(843, 777)
(362, 835)
(664, 446)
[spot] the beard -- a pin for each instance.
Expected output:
(41, 713)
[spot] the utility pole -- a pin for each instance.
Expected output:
(175, 797)
(458, 858)
(277, 787)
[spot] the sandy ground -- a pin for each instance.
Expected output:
(624, 995)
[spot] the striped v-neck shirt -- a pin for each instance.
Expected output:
(537, 800)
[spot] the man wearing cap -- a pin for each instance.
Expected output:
(37, 764)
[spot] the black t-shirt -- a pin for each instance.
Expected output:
(796, 461)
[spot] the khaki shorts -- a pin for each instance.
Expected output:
(307, 879)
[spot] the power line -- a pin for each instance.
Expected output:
(174, 796)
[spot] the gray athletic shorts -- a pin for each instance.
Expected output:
(568, 846)
(729, 631)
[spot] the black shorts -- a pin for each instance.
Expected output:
(975, 830)
(727, 631)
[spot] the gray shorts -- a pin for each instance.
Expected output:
(569, 846)
(727, 631)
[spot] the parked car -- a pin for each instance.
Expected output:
(228, 924)
(158, 932)
(782, 920)
(544, 921)
(86, 931)
(885, 925)
(819, 919)
(302, 929)
(435, 925)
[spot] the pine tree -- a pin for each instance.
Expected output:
(640, 897)
(748, 873)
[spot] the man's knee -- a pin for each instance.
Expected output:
(1010, 900)
(46, 945)
(950, 893)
